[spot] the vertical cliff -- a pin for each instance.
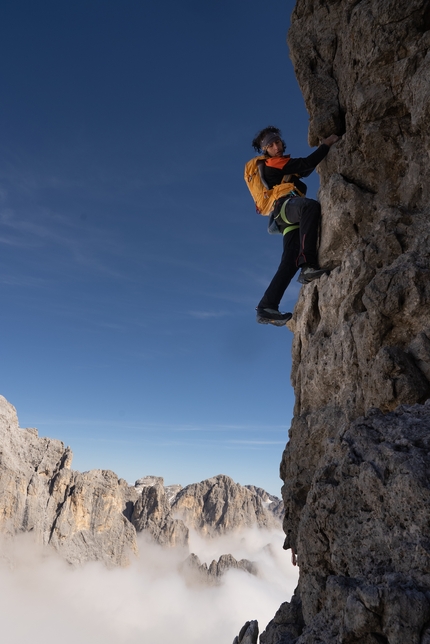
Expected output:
(82, 515)
(356, 483)
(96, 516)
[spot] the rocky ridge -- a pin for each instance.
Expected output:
(95, 516)
(197, 572)
(270, 502)
(217, 505)
(80, 515)
(356, 489)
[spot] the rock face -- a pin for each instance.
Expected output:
(81, 515)
(356, 489)
(152, 513)
(361, 335)
(287, 625)
(217, 505)
(248, 633)
(197, 572)
(171, 491)
(274, 505)
(95, 516)
(148, 481)
(365, 530)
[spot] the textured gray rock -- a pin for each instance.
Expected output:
(355, 480)
(148, 481)
(172, 491)
(368, 512)
(152, 514)
(81, 515)
(94, 516)
(248, 633)
(88, 517)
(272, 503)
(197, 572)
(287, 625)
(219, 505)
(355, 489)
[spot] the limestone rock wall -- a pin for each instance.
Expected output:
(95, 516)
(152, 513)
(81, 515)
(355, 491)
(365, 531)
(196, 572)
(217, 505)
(362, 334)
(271, 503)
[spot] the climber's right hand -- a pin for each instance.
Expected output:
(333, 138)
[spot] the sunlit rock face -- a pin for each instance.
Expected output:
(355, 483)
(218, 505)
(95, 516)
(81, 515)
(196, 572)
(274, 505)
(152, 513)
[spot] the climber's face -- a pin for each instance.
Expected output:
(275, 149)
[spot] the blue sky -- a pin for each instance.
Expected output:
(131, 255)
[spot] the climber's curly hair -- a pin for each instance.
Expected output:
(256, 143)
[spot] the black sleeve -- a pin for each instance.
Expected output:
(305, 165)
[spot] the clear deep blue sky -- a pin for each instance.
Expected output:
(131, 255)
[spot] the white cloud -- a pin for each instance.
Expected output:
(206, 315)
(45, 601)
(245, 442)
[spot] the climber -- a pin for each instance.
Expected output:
(274, 182)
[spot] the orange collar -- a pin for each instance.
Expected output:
(278, 162)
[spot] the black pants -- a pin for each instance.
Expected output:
(300, 247)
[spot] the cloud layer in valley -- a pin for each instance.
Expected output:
(45, 600)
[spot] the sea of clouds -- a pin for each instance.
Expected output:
(46, 601)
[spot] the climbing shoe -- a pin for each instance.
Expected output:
(310, 273)
(272, 316)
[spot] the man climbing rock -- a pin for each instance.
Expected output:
(274, 182)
